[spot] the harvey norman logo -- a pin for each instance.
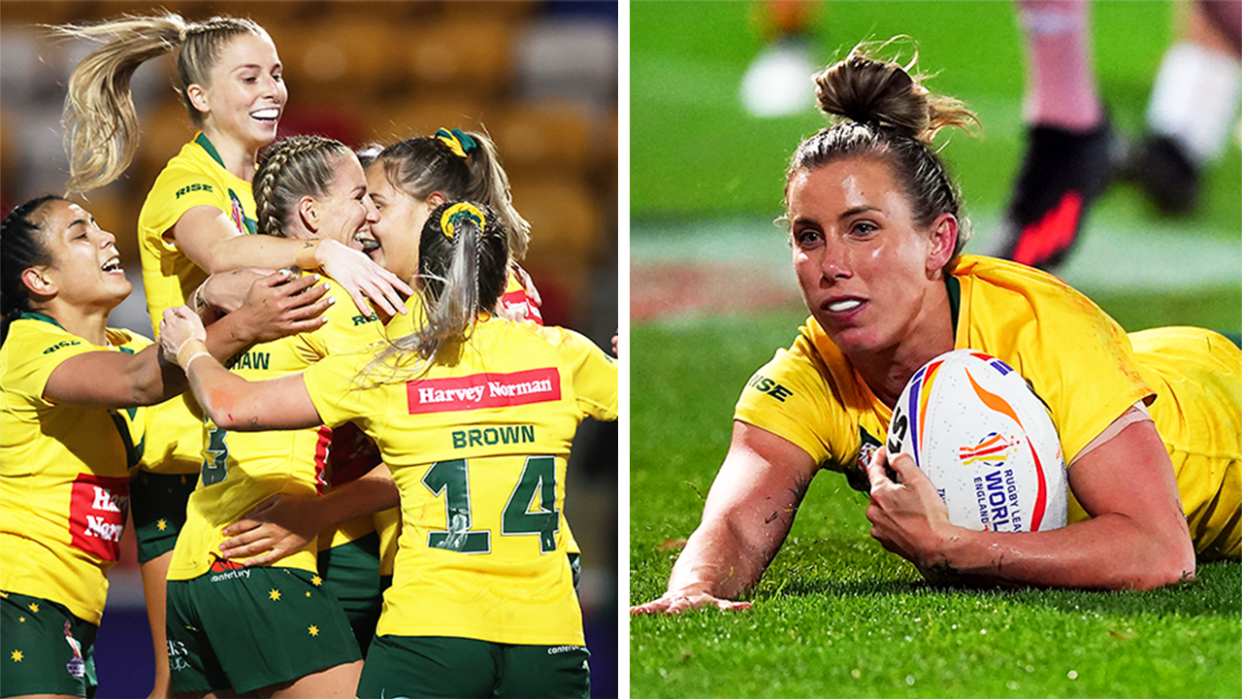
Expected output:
(484, 391)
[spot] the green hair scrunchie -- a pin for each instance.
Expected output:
(455, 214)
(461, 143)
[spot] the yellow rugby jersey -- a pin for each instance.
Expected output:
(194, 177)
(811, 395)
(478, 448)
(1201, 427)
(239, 470)
(64, 472)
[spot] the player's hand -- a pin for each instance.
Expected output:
(527, 310)
(225, 292)
(684, 601)
(276, 306)
(275, 528)
(528, 285)
(179, 326)
(907, 515)
(362, 278)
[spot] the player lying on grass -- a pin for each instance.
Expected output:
(73, 430)
(474, 415)
(876, 234)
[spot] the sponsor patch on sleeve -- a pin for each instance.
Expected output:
(769, 386)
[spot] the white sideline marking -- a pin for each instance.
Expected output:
(1155, 257)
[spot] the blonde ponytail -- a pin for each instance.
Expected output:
(461, 165)
(101, 124)
(463, 266)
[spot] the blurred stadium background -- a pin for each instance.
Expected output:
(713, 296)
(707, 178)
(540, 77)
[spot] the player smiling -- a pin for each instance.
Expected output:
(482, 602)
(72, 429)
(411, 177)
(196, 217)
(307, 188)
(876, 232)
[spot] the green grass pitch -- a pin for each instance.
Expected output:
(836, 615)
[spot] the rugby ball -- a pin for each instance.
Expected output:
(985, 440)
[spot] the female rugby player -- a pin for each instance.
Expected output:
(298, 637)
(407, 181)
(474, 415)
(876, 236)
(195, 218)
(72, 429)
(410, 178)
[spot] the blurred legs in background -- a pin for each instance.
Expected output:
(1193, 107)
(777, 83)
(1070, 142)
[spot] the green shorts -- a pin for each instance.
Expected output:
(436, 666)
(351, 573)
(47, 650)
(249, 628)
(157, 501)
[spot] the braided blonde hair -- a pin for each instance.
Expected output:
(292, 168)
(101, 124)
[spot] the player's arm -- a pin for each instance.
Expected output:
(272, 306)
(232, 402)
(212, 242)
(112, 380)
(1136, 538)
(283, 524)
(748, 514)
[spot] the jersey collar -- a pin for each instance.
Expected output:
(954, 288)
(201, 139)
(34, 315)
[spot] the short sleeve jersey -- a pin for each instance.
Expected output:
(478, 446)
(242, 469)
(1076, 358)
(64, 471)
(194, 177)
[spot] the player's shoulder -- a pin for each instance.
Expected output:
(989, 278)
(127, 340)
(558, 337)
(34, 345)
(812, 354)
(998, 297)
(192, 169)
(35, 332)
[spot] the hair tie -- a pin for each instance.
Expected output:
(458, 141)
(455, 214)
